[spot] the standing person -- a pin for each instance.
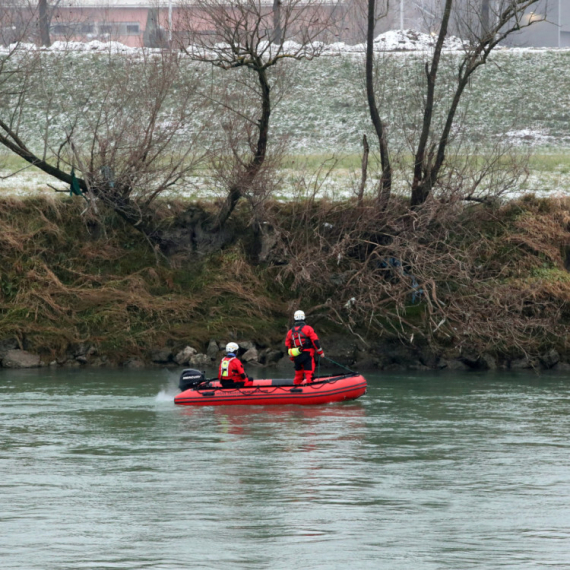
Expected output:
(231, 373)
(302, 342)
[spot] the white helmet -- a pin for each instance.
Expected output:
(232, 347)
(299, 316)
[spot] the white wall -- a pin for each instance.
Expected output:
(546, 33)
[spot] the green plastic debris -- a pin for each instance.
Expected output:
(74, 187)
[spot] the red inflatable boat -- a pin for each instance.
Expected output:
(269, 392)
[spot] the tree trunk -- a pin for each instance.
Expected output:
(254, 166)
(385, 186)
(261, 149)
(364, 176)
(423, 169)
(44, 23)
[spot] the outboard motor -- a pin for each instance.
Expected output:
(190, 378)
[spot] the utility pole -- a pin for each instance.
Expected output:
(45, 39)
(559, 21)
(170, 21)
(277, 31)
(485, 17)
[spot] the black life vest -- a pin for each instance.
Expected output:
(298, 338)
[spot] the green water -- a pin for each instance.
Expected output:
(98, 469)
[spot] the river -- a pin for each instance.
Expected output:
(99, 469)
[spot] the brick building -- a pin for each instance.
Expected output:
(153, 23)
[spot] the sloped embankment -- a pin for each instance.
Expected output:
(476, 287)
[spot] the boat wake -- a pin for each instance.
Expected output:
(170, 390)
(166, 395)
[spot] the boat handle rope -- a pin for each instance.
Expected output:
(337, 363)
(258, 389)
(262, 389)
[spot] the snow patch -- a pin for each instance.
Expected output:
(399, 40)
(64, 46)
(92, 46)
(528, 136)
(410, 40)
(393, 40)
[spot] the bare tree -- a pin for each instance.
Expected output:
(16, 22)
(26, 20)
(482, 33)
(385, 186)
(131, 132)
(253, 37)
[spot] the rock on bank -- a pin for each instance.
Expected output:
(389, 356)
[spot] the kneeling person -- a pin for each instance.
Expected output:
(231, 373)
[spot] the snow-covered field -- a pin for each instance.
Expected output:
(521, 98)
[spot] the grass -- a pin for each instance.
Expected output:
(550, 274)
(323, 112)
(550, 162)
(59, 284)
(548, 173)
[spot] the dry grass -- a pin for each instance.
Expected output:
(483, 278)
(60, 285)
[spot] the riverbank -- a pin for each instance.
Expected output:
(482, 286)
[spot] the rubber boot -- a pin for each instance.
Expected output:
(308, 376)
(299, 377)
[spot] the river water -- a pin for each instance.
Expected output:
(99, 469)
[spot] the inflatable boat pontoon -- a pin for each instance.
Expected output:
(197, 391)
